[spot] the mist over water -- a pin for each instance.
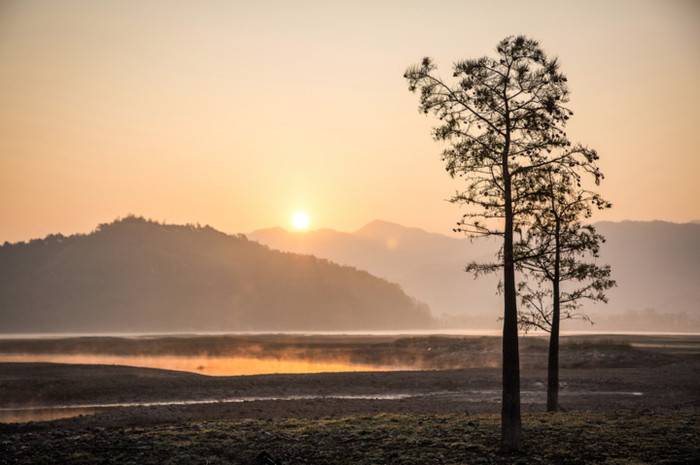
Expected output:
(55, 365)
(255, 354)
(290, 353)
(212, 366)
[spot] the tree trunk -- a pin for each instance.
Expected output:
(510, 408)
(553, 364)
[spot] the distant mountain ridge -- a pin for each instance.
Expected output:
(430, 265)
(139, 275)
(656, 265)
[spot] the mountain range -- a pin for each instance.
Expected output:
(656, 265)
(135, 275)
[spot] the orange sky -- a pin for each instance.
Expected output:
(236, 114)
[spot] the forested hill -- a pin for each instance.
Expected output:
(138, 275)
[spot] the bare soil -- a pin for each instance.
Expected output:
(623, 398)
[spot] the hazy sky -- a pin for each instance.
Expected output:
(236, 114)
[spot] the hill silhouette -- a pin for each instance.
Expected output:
(656, 265)
(139, 275)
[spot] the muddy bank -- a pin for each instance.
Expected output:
(600, 374)
(666, 388)
(30, 384)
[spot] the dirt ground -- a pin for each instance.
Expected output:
(603, 381)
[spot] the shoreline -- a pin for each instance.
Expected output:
(368, 333)
(447, 374)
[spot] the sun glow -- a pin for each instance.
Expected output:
(300, 221)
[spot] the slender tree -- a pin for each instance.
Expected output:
(558, 249)
(503, 121)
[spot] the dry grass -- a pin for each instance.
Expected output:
(567, 438)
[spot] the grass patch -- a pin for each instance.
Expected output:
(568, 438)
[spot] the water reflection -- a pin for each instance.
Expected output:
(46, 413)
(42, 414)
(27, 414)
(213, 366)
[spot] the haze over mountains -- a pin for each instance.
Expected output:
(142, 276)
(425, 264)
(134, 275)
(656, 265)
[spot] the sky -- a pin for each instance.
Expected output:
(238, 114)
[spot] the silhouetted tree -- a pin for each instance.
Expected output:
(558, 248)
(503, 120)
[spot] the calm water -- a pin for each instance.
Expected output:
(283, 362)
(419, 332)
(213, 366)
(57, 412)
(27, 414)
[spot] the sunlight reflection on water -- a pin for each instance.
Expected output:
(213, 366)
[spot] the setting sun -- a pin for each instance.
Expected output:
(300, 220)
(389, 212)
